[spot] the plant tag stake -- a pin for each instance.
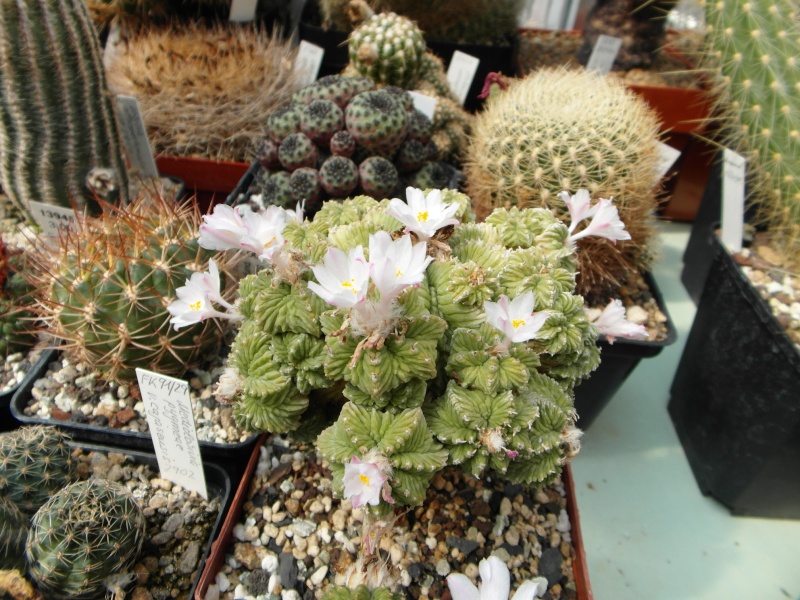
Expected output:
(134, 134)
(667, 155)
(308, 62)
(604, 54)
(243, 11)
(424, 104)
(733, 168)
(169, 414)
(52, 219)
(461, 72)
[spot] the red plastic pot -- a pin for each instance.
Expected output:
(210, 180)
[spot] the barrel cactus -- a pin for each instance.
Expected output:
(86, 536)
(13, 533)
(753, 46)
(566, 129)
(16, 319)
(35, 462)
(58, 121)
(106, 289)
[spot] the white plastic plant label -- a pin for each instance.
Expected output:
(52, 219)
(243, 11)
(169, 414)
(733, 178)
(424, 104)
(308, 62)
(134, 134)
(461, 72)
(604, 54)
(667, 155)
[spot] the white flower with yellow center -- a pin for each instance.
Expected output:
(605, 221)
(194, 303)
(396, 264)
(364, 483)
(343, 278)
(423, 215)
(515, 318)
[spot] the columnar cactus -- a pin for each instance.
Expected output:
(58, 122)
(106, 289)
(35, 462)
(755, 47)
(83, 538)
(567, 130)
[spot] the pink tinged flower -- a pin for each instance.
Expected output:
(343, 278)
(515, 318)
(396, 264)
(363, 482)
(423, 215)
(264, 231)
(579, 207)
(605, 223)
(222, 230)
(194, 303)
(613, 324)
(495, 584)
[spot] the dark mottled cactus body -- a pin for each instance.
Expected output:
(377, 121)
(378, 177)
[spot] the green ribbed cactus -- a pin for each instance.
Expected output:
(756, 45)
(85, 537)
(58, 121)
(13, 533)
(106, 289)
(566, 130)
(35, 462)
(16, 329)
(362, 592)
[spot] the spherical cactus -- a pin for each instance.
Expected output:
(276, 190)
(432, 176)
(387, 48)
(338, 176)
(420, 127)
(377, 121)
(106, 288)
(267, 154)
(560, 130)
(320, 120)
(335, 88)
(304, 186)
(297, 151)
(83, 537)
(13, 533)
(284, 122)
(411, 156)
(343, 144)
(35, 462)
(378, 177)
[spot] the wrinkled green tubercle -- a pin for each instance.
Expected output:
(442, 389)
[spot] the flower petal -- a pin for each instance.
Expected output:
(461, 588)
(495, 579)
(531, 589)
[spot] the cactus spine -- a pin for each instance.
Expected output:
(58, 122)
(756, 45)
(13, 533)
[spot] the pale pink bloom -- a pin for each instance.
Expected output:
(424, 215)
(194, 303)
(579, 207)
(495, 584)
(515, 318)
(343, 278)
(613, 324)
(244, 229)
(222, 230)
(605, 223)
(264, 231)
(396, 264)
(363, 482)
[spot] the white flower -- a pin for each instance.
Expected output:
(613, 324)
(363, 482)
(264, 231)
(605, 223)
(343, 278)
(495, 584)
(243, 229)
(515, 318)
(579, 207)
(396, 264)
(222, 230)
(424, 215)
(194, 303)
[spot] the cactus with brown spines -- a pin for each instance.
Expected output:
(13, 533)
(17, 331)
(567, 129)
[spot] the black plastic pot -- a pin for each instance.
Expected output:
(227, 454)
(617, 361)
(734, 400)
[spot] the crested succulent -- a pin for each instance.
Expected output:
(753, 47)
(13, 533)
(566, 129)
(106, 288)
(35, 462)
(86, 536)
(58, 121)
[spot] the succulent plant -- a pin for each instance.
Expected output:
(16, 328)
(58, 122)
(35, 462)
(566, 129)
(753, 46)
(13, 533)
(106, 289)
(362, 592)
(83, 539)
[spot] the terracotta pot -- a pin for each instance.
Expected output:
(210, 180)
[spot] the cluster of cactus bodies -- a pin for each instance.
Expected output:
(567, 129)
(106, 289)
(340, 136)
(755, 47)
(428, 381)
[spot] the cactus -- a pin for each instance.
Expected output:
(378, 177)
(35, 462)
(58, 122)
(377, 121)
(362, 592)
(13, 533)
(566, 130)
(338, 176)
(106, 289)
(754, 46)
(86, 536)
(16, 331)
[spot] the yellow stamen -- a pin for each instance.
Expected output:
(517, 323)
(398, 273)
(364, 480)
(269, 242)
(196, 305)
(422, 217)
(349, 284)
